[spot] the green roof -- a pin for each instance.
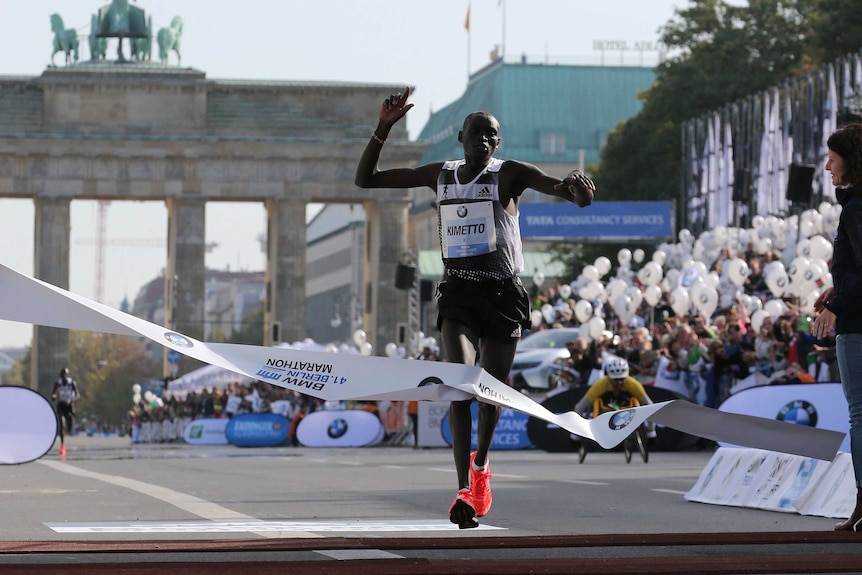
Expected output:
(431, 265)
(533, 102)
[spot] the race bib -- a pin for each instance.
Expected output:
(468, 229)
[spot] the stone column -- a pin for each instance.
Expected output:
(185, 271)
(386, 241)
(50, 349)
(284, 306)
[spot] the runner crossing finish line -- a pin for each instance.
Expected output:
(333, 376)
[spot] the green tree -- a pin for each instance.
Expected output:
(105, 367)
(836, 29)
(721, 53)
(251, 330)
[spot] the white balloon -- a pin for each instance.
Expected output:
(391, 349)
(401, 352)
(757, 319)
(538, 278)
(597, 326)
(685, 236)
(623, 307)
(549, 313)
(707, 301)
(365, 348)
(624, 256)
(774, 307)
(591, 273)
(583, 310)
(359, 337)
(820, 248)
(638, 255)
(602, 264)
(535, 318)
(136, 388)
(636, 295)
(136, 398)
(659, 257)
(806, 302)
(680, 301)
(738, 271)
(565, 291)
(652, 295)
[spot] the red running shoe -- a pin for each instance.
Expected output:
(62, 450)
(462, 512)
(480, 485)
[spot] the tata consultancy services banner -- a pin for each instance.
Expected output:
(601, 220)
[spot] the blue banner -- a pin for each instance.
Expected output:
(610, 221)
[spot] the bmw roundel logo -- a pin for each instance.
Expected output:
(432, 380)
(462, 211)
(337, 428)
(621, 419)
(178, 339)
(800, 412)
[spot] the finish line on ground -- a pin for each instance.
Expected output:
(258, 526)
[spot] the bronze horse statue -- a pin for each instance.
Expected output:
(169, 39)
(65, 41)
(142, 47)
(98, 46)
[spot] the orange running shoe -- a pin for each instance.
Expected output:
(480, 485)
(62, 450)
(462, 512)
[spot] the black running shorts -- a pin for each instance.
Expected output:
(496, 310)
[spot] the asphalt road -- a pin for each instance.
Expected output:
(171, 506)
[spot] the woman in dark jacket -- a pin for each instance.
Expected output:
(840, 307)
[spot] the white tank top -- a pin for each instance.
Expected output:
(479, 239)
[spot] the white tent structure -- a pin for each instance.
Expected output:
(207, 377)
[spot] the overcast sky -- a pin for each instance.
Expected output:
(424, 44)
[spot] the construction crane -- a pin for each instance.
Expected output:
(101, 243)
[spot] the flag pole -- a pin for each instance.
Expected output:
(502, 4)
(467, 28)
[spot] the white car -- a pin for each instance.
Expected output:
(540, 356)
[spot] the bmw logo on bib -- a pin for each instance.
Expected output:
(462, 211)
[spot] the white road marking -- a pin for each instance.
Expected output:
(582, 482)
(671, 491)
(190, 503)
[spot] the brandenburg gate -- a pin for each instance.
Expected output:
(142, 130)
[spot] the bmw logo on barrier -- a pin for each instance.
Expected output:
(800, 412)
(178, 339)
(337, 428)
(621, 419)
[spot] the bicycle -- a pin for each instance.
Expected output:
(636, 440)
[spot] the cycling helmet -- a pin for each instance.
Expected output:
(617, 368)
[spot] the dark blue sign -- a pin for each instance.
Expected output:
(510, 433)
(257, 430)
(612, 221)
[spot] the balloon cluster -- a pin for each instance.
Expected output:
(699, 275)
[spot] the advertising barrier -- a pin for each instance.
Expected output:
(28, 425)
(510, 433)
(820, 405)
(340, 428)
(257, 430)
(430, 422)
(206, 432)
